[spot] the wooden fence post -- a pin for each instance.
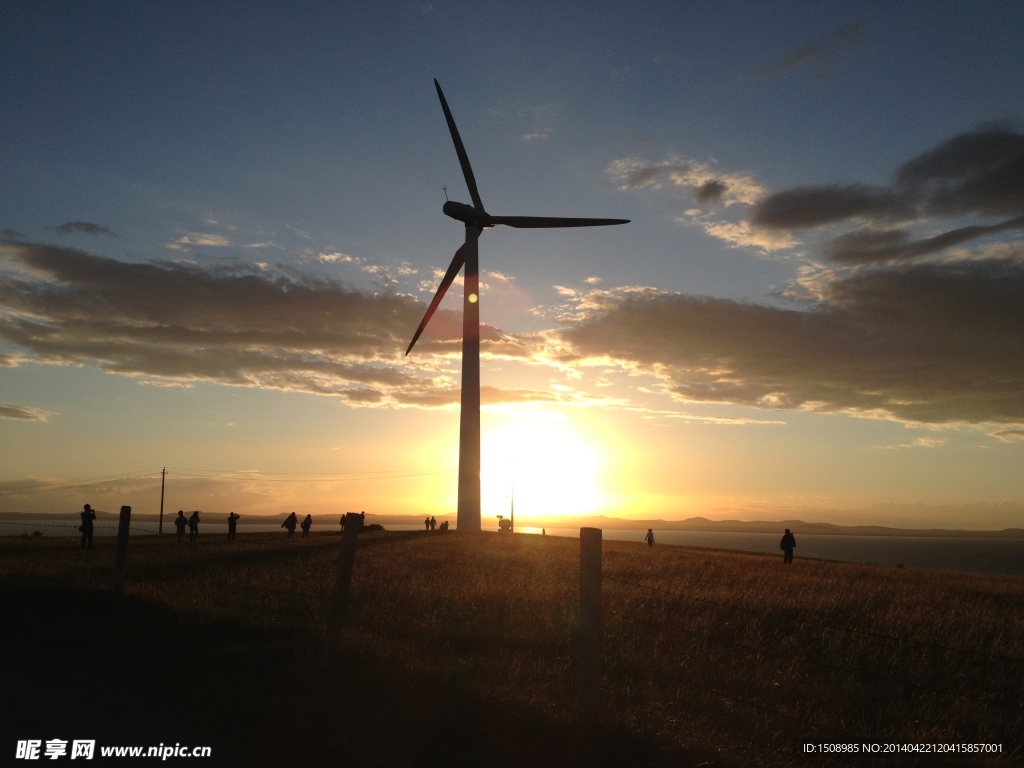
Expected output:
(590, 632)
(122, 545)
(346, 559)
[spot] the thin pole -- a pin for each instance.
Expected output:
(160, 528)
(343, 577)
(590, 631)
(123, 524)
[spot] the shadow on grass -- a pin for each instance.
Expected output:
(123, 671)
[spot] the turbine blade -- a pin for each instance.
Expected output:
(460, 150)
(541, 222)
(453, 269)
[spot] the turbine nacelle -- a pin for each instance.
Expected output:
(467, 214)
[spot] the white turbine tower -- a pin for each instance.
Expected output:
(476, 220)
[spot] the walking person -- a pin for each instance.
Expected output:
(232, 522)
(289, 523)
(180, 522)
(87, 516)
(649, 538)
(193, 526)
(306, 525)
(787, 545)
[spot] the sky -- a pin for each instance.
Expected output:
(221, 223)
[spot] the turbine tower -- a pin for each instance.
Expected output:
(476, 220)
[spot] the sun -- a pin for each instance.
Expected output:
(543, 462)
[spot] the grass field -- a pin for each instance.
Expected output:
(460, 649)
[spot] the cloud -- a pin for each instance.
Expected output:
(23, 412)
(920, 442)
(707, 187)
(194, 239)
(806, 207)
(918, 320)
(336, 257)
(869, 246)
(837, 41)
(1008, 435)
(236, 325)
(741, 234)
(932, 343)
(13, 234)
(82, 227)
(978, 173)
(701, 180)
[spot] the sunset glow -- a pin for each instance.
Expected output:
(548, 467)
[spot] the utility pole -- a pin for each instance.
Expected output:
(163, 476)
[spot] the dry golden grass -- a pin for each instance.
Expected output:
(725, 658)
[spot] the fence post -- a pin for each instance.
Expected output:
(122, 545)
(590, 633)
(346, 559)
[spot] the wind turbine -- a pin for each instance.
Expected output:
(476, 220)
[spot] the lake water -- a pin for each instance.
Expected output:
(997, 556)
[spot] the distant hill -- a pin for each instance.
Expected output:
(765, 526)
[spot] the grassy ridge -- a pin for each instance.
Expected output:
(459, 649)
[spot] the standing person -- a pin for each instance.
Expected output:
(426, 524)
(232, 522)
(649, 538)
(193, 526)
(786, 545)
(306, 524)
(289, 523)
(87, 516)
(433, 523)
(180, 522)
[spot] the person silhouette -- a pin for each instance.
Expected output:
(426, 524)
(232, 522)
(649, 538)
(786, 545)
(433, 524)
(180, 522)
(289, 523)
(87, 516)
(193, 526)
(306, 524)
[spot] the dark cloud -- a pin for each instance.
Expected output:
(979, 173)
(865, 247)
(976, 172)
(83, 227)
(806, 207)
(13, 234)
(931, 343)
(710, 191)
(242, 327)
(817, 53)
